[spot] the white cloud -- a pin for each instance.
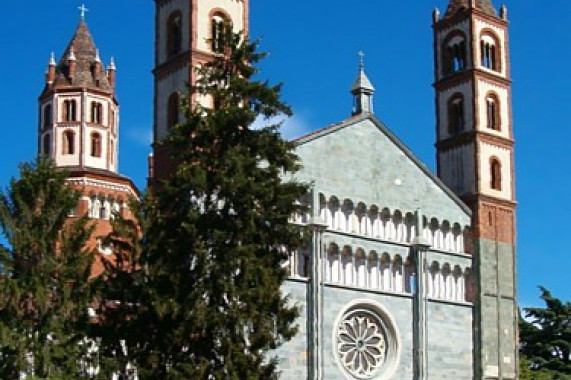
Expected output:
(140, 136)
(292, 127)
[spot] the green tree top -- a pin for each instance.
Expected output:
(208, 301)
(44, 287)
(545, 338)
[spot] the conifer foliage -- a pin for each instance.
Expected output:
(44, 272)
(205, 298)
(545, 340)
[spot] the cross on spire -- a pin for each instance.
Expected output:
(83, 9)
(361, 60)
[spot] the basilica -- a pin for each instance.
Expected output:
(410, 274)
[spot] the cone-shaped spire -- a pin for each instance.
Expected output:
(86, 55)
(362, 91)
(456, 6)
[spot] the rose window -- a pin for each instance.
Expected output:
(366, 342)
(361, 345)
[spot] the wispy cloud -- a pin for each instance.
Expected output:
(292, 127)
(140, 136)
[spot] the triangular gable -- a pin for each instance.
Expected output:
(361, 159)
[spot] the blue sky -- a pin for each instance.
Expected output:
(313, 48)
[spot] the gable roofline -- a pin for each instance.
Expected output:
(395, 140)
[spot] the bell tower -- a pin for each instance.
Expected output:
(185, 37)
(475, 158)
(79, 130)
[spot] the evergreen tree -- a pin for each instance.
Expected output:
(44, 271)
(526, 371)
(545, 339)
(205, 299)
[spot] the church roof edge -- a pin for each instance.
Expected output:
(360, 117)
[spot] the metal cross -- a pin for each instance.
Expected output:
(83, 10)
(361, 59)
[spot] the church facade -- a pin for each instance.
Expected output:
(409, 274)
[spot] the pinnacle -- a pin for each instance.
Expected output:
(362, 83)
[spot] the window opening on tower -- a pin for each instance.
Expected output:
(456, 119)
(173, 110)
(96, 112)
(95, 144)
(493, 112)
(218, 24)
(47, 144)
(495, 174)
(47, 116)
(454, 53)
(69, 110)
(174, 34)
(68, 142)
(489, 52)
(457, 56)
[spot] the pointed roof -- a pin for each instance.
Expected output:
(86, 56)
(456, 6)
(362, 83)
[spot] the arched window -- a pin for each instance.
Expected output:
(111, 151)
(68, 143)
(493, 112)
(95, 144)
(94, 205)
(112, 121)
(69, 110)
(490, 52)
(96, 112)
(103, 213)
(47, 143)
(174, 34)
(173, 110)
(495, 174)
(456, 118)
(454, 53)
(48, 119)
(218, 24)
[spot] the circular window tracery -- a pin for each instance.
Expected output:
(366, 342)
(361, 345)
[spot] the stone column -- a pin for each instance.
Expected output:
(317, 259)
(419, 248)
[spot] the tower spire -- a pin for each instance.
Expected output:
(362, 90)
(456, 6)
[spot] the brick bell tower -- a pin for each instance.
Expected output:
(475, 158)
(185, 37)
(78, 130)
